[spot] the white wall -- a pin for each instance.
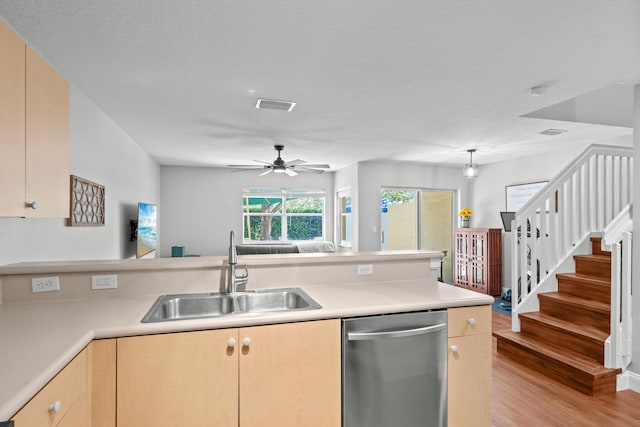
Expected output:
(101, 152)
(200, 206)
(372, 176)
(635, 265)
(347, 178)
(489, 188)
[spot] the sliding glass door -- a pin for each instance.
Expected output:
(419, 219)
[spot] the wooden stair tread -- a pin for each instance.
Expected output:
(585, 278)
(605, 259)
(589, 304)
(585, 331)
(570, 359)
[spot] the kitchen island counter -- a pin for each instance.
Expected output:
(39, 339)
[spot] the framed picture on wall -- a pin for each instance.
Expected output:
(519, 194)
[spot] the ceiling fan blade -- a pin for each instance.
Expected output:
(294, 162)
(263, 162)
(290, 172)
(305, 169)
(246, 166)
(317, 166)
(243, 170)
(266, 172)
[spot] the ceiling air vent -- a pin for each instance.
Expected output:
(273, 104)
(552, 132)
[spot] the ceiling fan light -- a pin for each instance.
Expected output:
(280, 166)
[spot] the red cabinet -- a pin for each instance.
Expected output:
(478, 259)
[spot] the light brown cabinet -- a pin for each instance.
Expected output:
(103, 383)
(34, 133)
(64, 401)
(469, 366)
(478, 259)
(286, 374)
(187, 378)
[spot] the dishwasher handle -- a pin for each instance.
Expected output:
(370, 336)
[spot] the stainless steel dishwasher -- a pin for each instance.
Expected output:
(394, 370)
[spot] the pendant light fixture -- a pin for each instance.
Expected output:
(470, 170)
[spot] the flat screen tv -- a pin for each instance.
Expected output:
(147, 218)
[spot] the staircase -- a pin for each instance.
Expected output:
(565, 339)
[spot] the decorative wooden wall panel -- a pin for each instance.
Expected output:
(87, 203)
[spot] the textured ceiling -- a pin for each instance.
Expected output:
(411, 80)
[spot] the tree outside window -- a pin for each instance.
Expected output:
(270, 215)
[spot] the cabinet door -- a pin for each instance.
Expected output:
(181, 379)
(461, 258)
(290, 375)
(47, 139)
(469, 381)
(478, 261)
(103, 383)
(12, 105)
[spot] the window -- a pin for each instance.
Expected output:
(344, 219)
(282, 214)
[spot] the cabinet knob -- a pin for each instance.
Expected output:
(231, 342)
(32, 205)
(454, 348)
(472, 321)
(246, 341)
(55, 407)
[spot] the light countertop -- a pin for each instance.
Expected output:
(181, 263)
(39, 339)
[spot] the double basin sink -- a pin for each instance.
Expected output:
(196, 306)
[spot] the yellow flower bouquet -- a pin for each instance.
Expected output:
(465, 213)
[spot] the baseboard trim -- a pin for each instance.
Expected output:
(628, 381)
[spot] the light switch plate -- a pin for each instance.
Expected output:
(364, 269)
(105, 281)
(45, 284)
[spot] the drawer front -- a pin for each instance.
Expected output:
(67, 387)
(469, 320)
(77, 416)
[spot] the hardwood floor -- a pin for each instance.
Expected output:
(522, 397)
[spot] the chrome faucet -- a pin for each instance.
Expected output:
(232, 280)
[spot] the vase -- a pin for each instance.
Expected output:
(464, 222)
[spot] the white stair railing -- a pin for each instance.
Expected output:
(617, 238)
(583, 198)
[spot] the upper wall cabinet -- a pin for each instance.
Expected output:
(34, 133)
(12, 119)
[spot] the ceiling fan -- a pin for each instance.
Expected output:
(280, 166)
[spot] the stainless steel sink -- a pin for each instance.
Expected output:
(195, 306)
(275, 300)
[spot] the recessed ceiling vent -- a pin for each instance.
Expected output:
(552, 132)
(273, 104)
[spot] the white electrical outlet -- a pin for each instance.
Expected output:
(105, 281)
(45, 284)
(364, 269)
